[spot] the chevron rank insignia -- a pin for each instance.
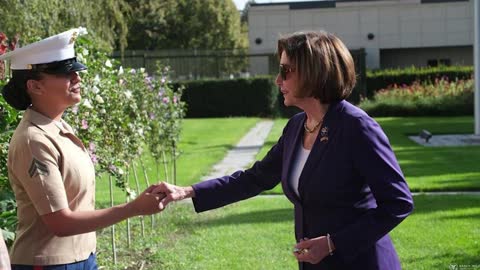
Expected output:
(37, 167)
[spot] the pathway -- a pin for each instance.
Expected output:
(244, 153)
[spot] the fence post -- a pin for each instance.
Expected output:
(144, 60)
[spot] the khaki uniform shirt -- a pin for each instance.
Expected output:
(49, 170)
(4, 259)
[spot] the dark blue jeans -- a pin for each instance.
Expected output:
(88, 264)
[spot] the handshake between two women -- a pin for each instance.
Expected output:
(166, 193)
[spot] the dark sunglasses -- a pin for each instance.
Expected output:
(284, 70)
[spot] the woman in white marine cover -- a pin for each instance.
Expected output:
(50, 170)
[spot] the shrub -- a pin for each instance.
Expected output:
(440, 98)
(381, 79)
(237, 97)
(8, 217)
(9, 119)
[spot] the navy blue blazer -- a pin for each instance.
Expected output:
(351, 187)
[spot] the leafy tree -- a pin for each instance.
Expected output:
(185, 24)
(105, 19)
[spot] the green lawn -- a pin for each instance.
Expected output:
(203, 143)
(434, 168)
(425, 168)
(443, 230)
(258, 234)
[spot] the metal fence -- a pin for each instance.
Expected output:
(199, 64)
(189, 64)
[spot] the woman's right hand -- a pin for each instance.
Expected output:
(172, 193)
(147, 203)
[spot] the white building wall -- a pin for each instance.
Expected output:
(394, 24)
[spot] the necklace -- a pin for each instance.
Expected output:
(313, 129)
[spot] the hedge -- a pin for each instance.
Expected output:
(255, 96)
(380, 79)
(259, 96)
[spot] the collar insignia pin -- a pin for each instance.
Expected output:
(324, 134)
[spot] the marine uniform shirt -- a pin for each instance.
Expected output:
(49, 170)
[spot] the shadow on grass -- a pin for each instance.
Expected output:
(469, 181)
(215, 146)
(434, 124)
(467, 184)
(188, 142)
(263, 216)
(425, 204)
(462, 216)
(441, 162)
(206, 149)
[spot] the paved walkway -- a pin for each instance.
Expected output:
(244, 153)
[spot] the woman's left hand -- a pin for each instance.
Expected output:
(312, 250)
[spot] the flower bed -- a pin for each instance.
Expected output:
(440, 98)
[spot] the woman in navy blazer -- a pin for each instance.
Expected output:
(334, 162)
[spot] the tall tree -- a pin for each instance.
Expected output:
(105, 19)
(185, 24)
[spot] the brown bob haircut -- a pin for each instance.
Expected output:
(324, 66)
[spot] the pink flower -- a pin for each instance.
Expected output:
(152, 116)
(165, 100)
(112, 167)
(75, 109)
(3, 37)
(3, 49)
(91, 147)
(3, 43)
(13, 43)
(84, 124)
(175, 99)
(94, 159)
(148, 82)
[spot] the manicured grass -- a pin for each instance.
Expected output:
(249, 235)
(434, 168)
(203, 143)
(442, 231)
(253, 234)
(258, 234)
(425, 168)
